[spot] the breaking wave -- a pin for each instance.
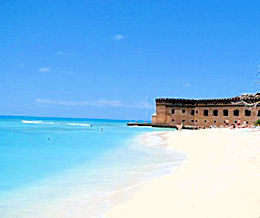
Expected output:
(58, 123)
(36, 122)
(79, 124)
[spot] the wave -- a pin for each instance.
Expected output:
(36, 122)
(79, 124)
(49, 122)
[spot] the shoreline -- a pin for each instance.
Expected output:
(148, 139)
(220, 178)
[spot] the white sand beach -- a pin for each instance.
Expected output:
(220, 179)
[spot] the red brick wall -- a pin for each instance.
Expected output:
(164, 114)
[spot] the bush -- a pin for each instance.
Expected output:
(257, 123)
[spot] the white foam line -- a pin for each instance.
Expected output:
(79, 124)
(36, 122)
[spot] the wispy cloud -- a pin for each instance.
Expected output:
(44, 69)
(187, 85)
(60, 102)
(119, 37)
(97, 103)
(141, 104)
(104, 102)
(59, 53)
(62, 53)
(66, 72)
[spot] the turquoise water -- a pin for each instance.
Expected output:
(61, 167)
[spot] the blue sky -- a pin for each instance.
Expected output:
(111, 59)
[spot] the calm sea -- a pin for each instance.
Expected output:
(63, 167)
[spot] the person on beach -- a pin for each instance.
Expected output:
(244, 124)
(226, 122)
(233, 126)
(238, 123)
(179, 127)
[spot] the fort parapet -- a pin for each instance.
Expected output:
(206, 112)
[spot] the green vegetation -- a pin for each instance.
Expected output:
(257, 123)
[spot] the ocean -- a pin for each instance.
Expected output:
(64, 167)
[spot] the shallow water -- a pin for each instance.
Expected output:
(54, 167)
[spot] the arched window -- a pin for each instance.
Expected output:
(236, 113)
(206, 112)
(215, 112)
(183, 121)
(192, 112)
(247, 113)
(225, 113)
(183, 111)
(258, 114)
(173, 111)
(172, 120)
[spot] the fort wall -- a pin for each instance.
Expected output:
(204, 113)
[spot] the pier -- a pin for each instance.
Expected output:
(160, 125)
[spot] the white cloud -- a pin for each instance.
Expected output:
(44, 69)
(119, 37)
(187, 85)
(97, 103)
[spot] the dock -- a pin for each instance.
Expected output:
(161, 125)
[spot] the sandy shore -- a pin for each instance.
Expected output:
(221, 179)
